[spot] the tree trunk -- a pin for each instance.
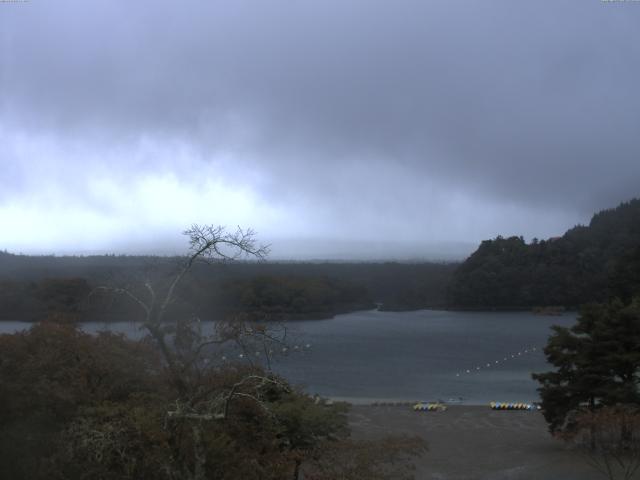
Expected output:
(296, 470)
(199, 455)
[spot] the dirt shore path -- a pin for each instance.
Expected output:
(477, 443)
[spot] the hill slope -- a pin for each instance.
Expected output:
(33, 287)
(588, 263)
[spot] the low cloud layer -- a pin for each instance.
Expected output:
(364, 128)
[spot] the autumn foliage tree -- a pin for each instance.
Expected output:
(609, 440)
(49, 375)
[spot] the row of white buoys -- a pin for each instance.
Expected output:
(257, 353)
(296, 348)
(514, 355)
(513, 406)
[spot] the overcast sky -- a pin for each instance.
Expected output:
(359, 128)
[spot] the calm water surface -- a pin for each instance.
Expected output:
(424, 355)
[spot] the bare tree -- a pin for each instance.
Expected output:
(184, 346)
(206, 390)
(207, 243)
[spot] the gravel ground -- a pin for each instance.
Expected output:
(473, 442)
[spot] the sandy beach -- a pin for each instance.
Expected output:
(475, 442)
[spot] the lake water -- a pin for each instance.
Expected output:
(423, 355)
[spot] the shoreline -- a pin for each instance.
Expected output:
(400, 402)
(107, 319)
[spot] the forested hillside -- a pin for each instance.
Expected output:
(33, 287)
(588, 263)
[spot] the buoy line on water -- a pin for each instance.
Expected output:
(284, 351)
(505, 358)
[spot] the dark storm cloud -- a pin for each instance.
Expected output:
(440, 120)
